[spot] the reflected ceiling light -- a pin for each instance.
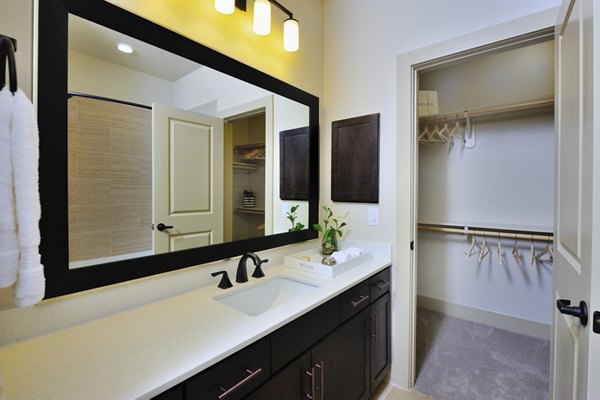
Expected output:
(262, 19)
(225, 6)
(125, 48)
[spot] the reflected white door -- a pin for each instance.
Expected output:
(575, 348)
(187, 174)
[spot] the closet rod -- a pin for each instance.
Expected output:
(480, 112)
(489, 232)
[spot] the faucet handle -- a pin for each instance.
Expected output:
(225, 282)
(258, 272)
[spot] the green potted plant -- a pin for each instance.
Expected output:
(292, 216)
(330, 229)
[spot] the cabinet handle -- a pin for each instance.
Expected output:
(240, 383)
(362, 300)
(374, 334)
(382, 285)
(321, 387)
(312, 383)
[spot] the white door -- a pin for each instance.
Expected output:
(187, 179)
(575, 348)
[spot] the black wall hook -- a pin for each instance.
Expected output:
(8, 47)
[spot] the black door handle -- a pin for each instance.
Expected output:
(580, 312)
(161, 227)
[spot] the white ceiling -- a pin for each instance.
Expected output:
(100, 42)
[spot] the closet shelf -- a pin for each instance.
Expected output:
(254, 211)
(489, 232)
(245, 166)
(491, 111)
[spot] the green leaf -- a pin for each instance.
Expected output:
(318, 228)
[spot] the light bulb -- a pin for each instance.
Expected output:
(262, 17)
(125, 48)
(225, 6)
(291, 35)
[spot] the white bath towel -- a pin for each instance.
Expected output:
(9, 246)
(31, 283)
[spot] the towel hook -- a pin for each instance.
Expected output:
(8, 47)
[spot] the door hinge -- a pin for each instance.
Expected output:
(412, 244)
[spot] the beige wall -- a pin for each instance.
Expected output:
(16, 21)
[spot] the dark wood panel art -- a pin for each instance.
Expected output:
(293, 175)
(355, 159)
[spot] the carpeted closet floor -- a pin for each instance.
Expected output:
(463, 360)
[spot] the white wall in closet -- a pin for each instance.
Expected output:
(506, 181)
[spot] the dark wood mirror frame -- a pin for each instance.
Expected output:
(52, 120)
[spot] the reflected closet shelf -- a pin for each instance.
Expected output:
(254, 211)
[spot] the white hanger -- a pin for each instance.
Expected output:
(423, 137)
(532, 253)
(515, 251)
(484, 250)
(473, 245)
(452, 132)
(546, 250)
(500, 252)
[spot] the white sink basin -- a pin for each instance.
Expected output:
(266, 295)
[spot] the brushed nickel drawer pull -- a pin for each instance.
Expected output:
(240, 383)
(374, 334)
(321, 387)
(312, 383)
(362, 299)
(382, 285)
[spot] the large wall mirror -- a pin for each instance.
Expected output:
(161, 158)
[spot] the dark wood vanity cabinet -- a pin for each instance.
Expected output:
(341, 350)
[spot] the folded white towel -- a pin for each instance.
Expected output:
(30, 286)
(9, 246)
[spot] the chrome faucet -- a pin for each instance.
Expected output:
(242, 271)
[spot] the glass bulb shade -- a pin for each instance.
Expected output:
(262, 17)
(291, 35)
(225, 6)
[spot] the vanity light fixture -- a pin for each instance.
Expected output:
(125, 48)
(262, 19)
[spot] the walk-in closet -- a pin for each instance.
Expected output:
(486, 217)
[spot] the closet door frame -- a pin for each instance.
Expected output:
(528, 30)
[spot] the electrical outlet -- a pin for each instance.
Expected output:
(373, 216)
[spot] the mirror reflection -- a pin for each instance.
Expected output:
(166, 154)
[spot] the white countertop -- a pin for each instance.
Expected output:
(141, 352)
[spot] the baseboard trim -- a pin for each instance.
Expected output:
(497, 320)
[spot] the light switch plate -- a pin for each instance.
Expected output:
(373, 216)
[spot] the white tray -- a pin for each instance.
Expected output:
(310, 261)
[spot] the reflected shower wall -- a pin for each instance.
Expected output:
(110, 180)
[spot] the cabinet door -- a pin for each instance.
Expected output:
(340, 363)
(380, 340)
(291, 383)
(234, 377)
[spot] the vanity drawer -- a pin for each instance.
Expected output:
(380, 284)
(353, 300)
(234, 377)
(292, 339)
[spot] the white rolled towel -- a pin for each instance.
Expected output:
(341, 256)
(355, 251)
(9, 245)
(30, 287)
